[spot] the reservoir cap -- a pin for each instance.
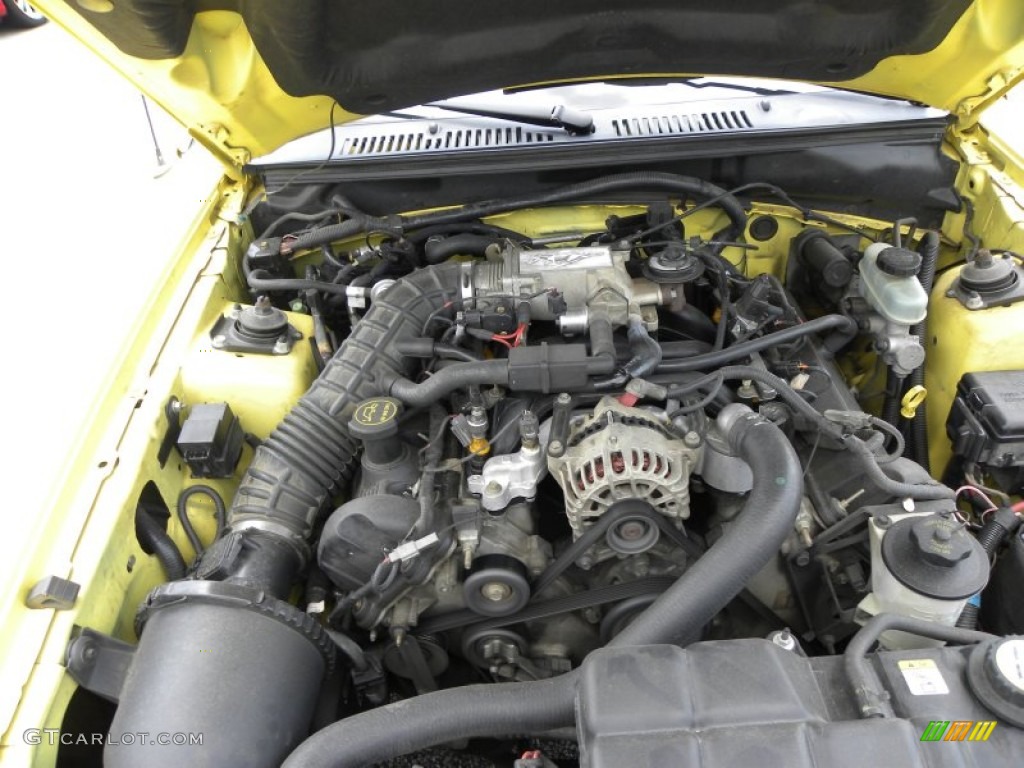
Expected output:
(935, 557)
(899, 262)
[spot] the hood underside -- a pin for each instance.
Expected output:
(248, 75)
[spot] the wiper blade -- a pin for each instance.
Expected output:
(555, 116)
(691, 82)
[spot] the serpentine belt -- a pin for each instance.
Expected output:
(545, 608)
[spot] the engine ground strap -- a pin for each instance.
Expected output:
(553, 607)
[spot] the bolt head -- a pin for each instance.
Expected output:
(631, 530)
(784, 639)
(496, 591)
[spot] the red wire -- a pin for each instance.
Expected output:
(516, 337)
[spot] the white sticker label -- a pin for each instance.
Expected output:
(923, 677)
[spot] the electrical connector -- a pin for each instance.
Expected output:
(411, 549)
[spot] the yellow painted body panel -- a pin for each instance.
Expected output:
(963, 341)
(87, 534)
(259, 388)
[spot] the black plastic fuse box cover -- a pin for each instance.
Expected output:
(986, 422)
(210, 441)
(750, 703)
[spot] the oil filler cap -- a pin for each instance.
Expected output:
(995, 673)
(375, 418)
(375, 423)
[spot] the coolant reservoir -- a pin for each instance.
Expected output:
(925, 567)
(888, 282)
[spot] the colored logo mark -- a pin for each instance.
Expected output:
(958, 730)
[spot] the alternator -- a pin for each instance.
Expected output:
(617, 453)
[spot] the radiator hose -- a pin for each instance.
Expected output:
(675, 617)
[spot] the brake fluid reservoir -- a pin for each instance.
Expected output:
(925, 567)
(888, 282)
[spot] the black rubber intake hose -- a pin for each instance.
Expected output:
(919, 426)
(446, 381)
(439, 250)
(156, 540)
(701, 592)
(310, 455)
(641, 180)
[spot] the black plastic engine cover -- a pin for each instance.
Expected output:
(359, 533)
(751, 703)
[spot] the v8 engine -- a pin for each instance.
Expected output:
(529, 462)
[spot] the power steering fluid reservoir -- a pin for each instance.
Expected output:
(925, 567)
(888, 282)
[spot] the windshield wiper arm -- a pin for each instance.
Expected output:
(556, 116)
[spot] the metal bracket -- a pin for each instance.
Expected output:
(172, 410)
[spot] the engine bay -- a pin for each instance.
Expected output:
(482, 464)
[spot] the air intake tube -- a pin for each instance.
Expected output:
(516, 708)
(222, 653)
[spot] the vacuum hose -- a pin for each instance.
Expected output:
(641, 180)
(701, 592)
(919, 426)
